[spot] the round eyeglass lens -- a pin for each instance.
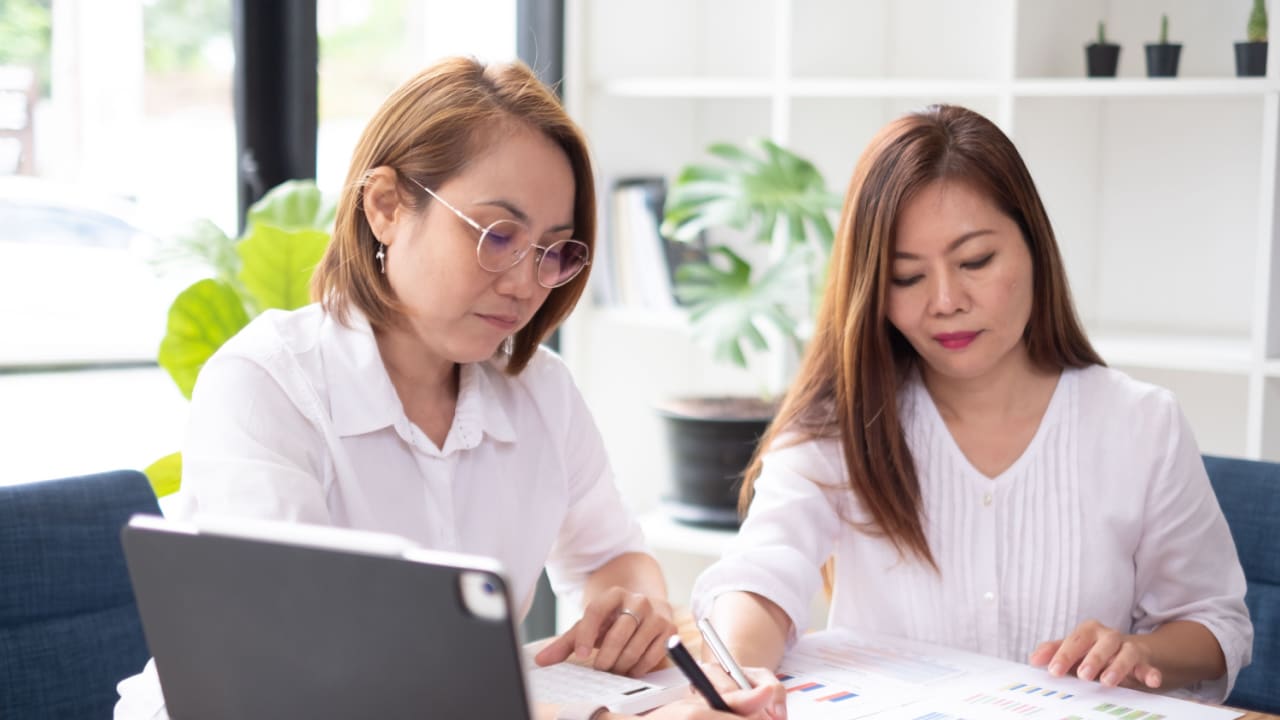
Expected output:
(502, 245)
(561, 262)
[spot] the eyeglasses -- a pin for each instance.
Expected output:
(504, 243)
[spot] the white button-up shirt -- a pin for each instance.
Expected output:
(295, 418)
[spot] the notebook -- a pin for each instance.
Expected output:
(259, 619)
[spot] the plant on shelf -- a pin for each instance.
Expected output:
(1251, 55)
(1162, 56)
(750, 305)
(268, 266)
(1101, 57)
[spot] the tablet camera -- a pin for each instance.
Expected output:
(483, 595)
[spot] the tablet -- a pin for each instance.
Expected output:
(257, 619)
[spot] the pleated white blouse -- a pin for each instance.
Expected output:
(1107, 515)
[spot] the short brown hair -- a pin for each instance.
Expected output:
(428, 130)
(848, 383)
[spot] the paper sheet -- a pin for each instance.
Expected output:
(836, 675)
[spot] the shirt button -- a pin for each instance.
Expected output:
(986, 499)
(989, 596)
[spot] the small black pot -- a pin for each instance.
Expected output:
(1101, 60)
(1251, 59)
(1162, 59)
(708, 457)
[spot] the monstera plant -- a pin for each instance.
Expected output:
(781, 202)
(777, 206)
(268, 266)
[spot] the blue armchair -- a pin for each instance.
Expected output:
(69, 628)
(1249, 493)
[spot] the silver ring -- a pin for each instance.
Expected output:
(634, 616)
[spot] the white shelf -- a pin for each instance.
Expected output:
(663, 533)
(1143, 87)
(1175, 352)
(873, 88)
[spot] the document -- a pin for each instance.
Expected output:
(568, 682)
(838, 675)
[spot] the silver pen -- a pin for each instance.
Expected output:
(722, 654)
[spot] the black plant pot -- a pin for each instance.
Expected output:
(1101, 60)
(708, 457)
(1162, 59)
(1251, 59)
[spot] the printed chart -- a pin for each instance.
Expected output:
(1006, 696)
(833, 676)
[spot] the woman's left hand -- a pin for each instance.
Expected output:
(1101, 653)
(630, 630)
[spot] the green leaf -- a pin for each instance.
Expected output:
(292, 205)
(728, 308)
(277, 265)
(757, 188)
(201, 318)
(165, 474)
(206, 244)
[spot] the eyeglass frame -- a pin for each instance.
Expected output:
(484, 232)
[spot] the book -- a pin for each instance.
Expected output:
(640, 264)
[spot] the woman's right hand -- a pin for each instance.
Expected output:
(766, 701)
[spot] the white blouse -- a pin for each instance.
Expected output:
(1108, 514)
(295, 418)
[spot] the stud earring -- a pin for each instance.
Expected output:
(382, 257)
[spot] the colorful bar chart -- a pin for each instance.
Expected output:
(1127, 713)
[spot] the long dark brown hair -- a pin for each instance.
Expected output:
(855, 365)
(428, 130)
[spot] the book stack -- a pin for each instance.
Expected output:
(635, 265)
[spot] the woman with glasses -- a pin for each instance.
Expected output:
(414, 397)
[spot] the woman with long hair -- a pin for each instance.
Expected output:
(957, 448)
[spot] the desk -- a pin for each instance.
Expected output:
(693, 640)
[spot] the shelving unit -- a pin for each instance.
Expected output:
(1162, 192)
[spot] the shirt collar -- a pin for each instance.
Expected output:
(482, 407)
(362, 398)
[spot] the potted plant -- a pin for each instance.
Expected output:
(268, 266)
(1162, 56)
(749, 307)
(1101, 57)
(1251, 55)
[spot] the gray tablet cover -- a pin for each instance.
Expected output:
(244, 628)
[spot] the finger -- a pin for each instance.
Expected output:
(651, 640)
(616, 636)
(718, 677)
(638, 644)
(762, 676)
(1121, 665)
(1043, 653)
(652, 657)
(558, 650)
(1148, 675)
(1105, 646)
(593, 622)
(765, 702)
(1074, 647)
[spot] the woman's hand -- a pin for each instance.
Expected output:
(766, 701)
(1100, 653)
(630, 630)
